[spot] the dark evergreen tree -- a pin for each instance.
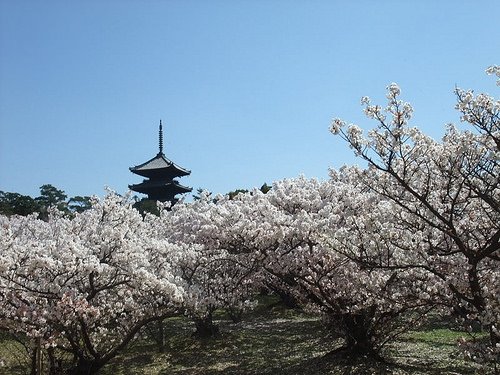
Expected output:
(17, 204)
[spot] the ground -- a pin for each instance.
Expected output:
(274, 341)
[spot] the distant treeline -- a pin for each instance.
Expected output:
(50, 196)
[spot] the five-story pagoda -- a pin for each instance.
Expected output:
(160, 172)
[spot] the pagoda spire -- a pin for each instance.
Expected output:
(161, 138)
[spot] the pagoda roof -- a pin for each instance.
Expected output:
(149, 186)
(160, 163)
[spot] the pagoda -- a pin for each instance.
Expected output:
(160, 183)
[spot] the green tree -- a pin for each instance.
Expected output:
(265, 188)
(234, 193)
(146, 205)
(79, 204)
(17, 204)
(50, 196)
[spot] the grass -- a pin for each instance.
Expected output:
(275, 341)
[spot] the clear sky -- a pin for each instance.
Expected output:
(246, 90)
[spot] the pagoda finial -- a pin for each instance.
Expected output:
(161, 138)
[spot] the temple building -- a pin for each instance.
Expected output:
(160, 183)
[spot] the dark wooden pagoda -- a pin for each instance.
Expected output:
(160, 183)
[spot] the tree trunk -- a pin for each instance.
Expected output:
(156, 331)
(205, 327)
(33, 362)
(54, 369)
(495, 341)
(359, 340)
(85, 366)
(160, 336)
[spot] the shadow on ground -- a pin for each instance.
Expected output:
(291, 343)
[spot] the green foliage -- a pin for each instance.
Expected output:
(147, 206)
(234, 193)
(50, 196)
(17, 204)
(265, 188)
(441, 336)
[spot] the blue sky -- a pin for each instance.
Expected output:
(246, 90)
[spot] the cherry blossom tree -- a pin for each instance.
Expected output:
(85, 286)
(215, 276)
(448, 199)
(329, 232)
(303, 239)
